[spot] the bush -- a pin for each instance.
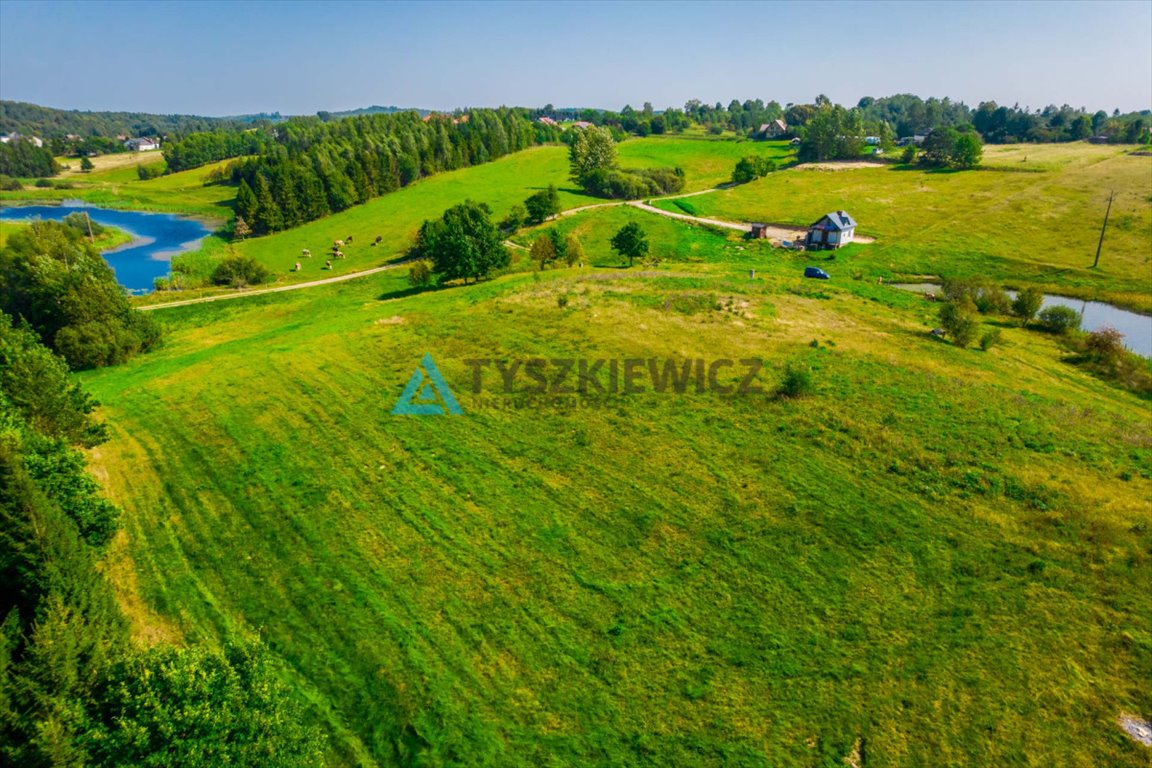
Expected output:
(1027, 304)
(1105, 346)
(958, 318)
(990, 338)
(420, 273)
(240, 272)
(797, 382)
(81, 224)
(146, 172)
(1060, 320)
(9, 184)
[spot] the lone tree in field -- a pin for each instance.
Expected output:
(542, 206)
(960, 319)
(543, 250)
(631, 242)
(593, 150)
(86, 164)
(463, 244)
(573, 251)
(1026, 304)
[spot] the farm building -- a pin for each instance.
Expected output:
(546, 120)
(772, 130)
(834, 230)
(142, 145)
(759, 231)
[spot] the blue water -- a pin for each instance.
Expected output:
(1094, 315)
(158, 237)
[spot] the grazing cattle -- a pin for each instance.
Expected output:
(373, 244)
(297, 266)
(930, 296)
(307, 253)
(328, 264)
(379, 238)
(339, 254)
(348, 239)
(338, 244)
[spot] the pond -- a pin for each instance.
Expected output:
(1094, 315)
(157, 238)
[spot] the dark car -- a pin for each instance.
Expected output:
(815, 272)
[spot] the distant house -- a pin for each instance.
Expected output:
(872, 141)
(142, 144)
(547, 120)
(759, 231)
(917, 140)
(582, 124)
(11, 137)
(834, 230)
(772, 130)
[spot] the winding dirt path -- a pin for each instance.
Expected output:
(277, 289)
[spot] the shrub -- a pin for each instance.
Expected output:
(1105, 346)
(990, 338)
(1060, 320)
(958, 318)
(797, 382)
(9, 184)
(1027, 304)
(240, 272)
(420, 273)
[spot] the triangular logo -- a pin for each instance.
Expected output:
(427, 394)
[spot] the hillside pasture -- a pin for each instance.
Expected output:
(941, 555)
(1031, 216)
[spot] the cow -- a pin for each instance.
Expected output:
(328, 264)
(338, 254)
(297, 266)
(379, 238)
(338, 244)
(348, 239)
(307, 253)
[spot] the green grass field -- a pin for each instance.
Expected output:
(707, 161)
(1032, 216)
(118, 186)
(940, 558)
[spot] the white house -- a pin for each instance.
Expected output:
(17, 137)
(142, 145)
(834, 230)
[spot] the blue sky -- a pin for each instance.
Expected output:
(216, 58)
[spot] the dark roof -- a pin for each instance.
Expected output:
(836, 220)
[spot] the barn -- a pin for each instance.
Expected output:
(834, 230)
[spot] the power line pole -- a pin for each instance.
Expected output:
(92, 238)
(1100, 245)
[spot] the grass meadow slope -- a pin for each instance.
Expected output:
(1031, 215)
(940, 558)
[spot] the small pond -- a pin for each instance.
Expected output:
(158, 237)
(1094, 315)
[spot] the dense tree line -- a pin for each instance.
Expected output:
(315, 168)
(46, 122)
(55, 281)
(23, 158)
(202, 148)
(74, 690)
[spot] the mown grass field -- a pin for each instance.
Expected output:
(1031, 216)
(940, 558)
(707, 160)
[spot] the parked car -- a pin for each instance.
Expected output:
(815, 272)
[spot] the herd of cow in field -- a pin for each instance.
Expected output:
(337, 253)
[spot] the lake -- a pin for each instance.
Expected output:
(1094, 315)
(157, 238)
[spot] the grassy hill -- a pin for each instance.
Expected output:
(940, 557)
(1031, 215)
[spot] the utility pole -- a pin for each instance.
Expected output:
(92, 238)
(1108, 210)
